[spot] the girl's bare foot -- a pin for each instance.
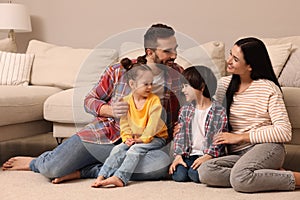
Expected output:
(112, 181)
(17, 163)
(72, 176)
(98, 181)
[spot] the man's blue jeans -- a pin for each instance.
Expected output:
(73, 154)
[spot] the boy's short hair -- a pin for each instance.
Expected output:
(200, 77)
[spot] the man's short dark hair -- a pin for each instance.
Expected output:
(157, 31)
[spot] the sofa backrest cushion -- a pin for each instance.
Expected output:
(290, 74)
(15, 68)
(59, 66)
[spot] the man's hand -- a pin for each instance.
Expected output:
(120, 108)
(177, 161)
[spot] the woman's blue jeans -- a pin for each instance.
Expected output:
(73, 155)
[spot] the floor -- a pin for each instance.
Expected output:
(30, 146)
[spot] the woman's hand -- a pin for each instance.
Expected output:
(177, 161)
(230, 138)
(200, 160)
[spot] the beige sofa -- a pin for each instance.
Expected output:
(62, 76)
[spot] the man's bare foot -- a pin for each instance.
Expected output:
(72, 176)
(17, 163)
(98, 181)
(112, 181)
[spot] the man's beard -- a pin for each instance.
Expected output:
(163, 64)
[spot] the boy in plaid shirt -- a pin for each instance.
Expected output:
(199, 121)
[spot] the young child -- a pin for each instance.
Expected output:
(199, 121)
(141, 130)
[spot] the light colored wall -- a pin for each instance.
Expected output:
(85, 23)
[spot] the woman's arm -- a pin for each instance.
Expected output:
(280, 130)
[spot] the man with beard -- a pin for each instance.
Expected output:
(82, 154)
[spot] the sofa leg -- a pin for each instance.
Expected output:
(59, 140)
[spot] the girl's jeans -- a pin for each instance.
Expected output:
(253, 170)
(183, 174)
(124, 159)
(73, 154)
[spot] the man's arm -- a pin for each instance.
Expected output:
(98, 100)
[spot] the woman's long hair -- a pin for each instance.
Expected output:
(256, 55)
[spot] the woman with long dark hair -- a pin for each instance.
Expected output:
(258, 125)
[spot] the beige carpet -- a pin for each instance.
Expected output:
(23, 185)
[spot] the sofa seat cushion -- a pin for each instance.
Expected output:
(65, 130)
(291, 98)
(19, 104)
(68, 107)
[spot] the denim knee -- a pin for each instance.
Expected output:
(180, 174)
(193, 175)
(240, 180)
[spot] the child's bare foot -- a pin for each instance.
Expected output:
(17, 163)
(112, 181)
(72, 176)
(98, 181)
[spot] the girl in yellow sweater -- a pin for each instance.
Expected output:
(142, 129)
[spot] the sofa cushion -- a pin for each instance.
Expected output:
(279, 53)
(68, 106)
(65, 130)
(94, 65)
(15, 68)
(211, 54)
(20, 104)
(291, 99)
(290, 75)
(59, 65)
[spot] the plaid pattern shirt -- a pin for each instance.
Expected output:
(106, 130)
(216, 121)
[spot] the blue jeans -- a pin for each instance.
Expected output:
(253, 170)
(183, 174)
(123, 159)
(73, 154)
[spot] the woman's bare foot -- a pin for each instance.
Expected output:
(112, 181)
(297, 179)
(98, 181)
(17, 163)
(72, 176)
